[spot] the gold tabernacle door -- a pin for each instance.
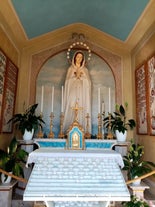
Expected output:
(75, 137)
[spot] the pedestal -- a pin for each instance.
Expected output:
(6, 193)
(121, 147)
(27, 145)
(138, 190)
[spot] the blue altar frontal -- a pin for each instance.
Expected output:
(61, 143)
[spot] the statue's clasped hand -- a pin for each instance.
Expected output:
(78, 74)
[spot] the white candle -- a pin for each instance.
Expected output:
(62, 101)
(52, 98)
(103, 107)
(99, 109)
(109, 100)
(42, 98)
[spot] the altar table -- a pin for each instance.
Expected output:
(85, 177)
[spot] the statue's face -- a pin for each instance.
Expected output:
(79, 58)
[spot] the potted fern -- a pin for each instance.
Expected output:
(11, 160)
(119, 123)
(27, 122)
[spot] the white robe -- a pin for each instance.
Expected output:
(77, 90)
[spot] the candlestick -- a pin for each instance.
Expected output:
(61, 134)
(103, 126)
(87, 134)
(110, 135)
(109, 100)
(51, 134)
(99, 135)
(62, 94)
(42, 98)
(99, 100)
(40, 132)
(52, 98)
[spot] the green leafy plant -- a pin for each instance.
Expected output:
(135, 202)
(118, 120)
(12, 159)
(134, 163)
(27, 120)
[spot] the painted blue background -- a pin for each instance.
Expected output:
(53, 73)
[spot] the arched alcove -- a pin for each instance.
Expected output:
(53, 73)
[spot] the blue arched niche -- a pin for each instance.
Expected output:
(53, 73)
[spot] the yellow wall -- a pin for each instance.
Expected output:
(9, 49)
(141, 53)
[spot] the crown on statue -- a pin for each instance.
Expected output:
(79, 40)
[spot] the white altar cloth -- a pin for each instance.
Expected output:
(42, 154)
(76, 175)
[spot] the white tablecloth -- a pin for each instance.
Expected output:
(42, 154)
(76, 175)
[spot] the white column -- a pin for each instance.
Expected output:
(103, 107)
(109, 100)
(62, 100)
(99, 101)
(42, 99)
(52, 98)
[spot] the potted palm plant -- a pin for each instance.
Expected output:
(12, 159)
(118, 122)
(134, 163)
(27, 122)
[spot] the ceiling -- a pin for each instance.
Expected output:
(114, 17)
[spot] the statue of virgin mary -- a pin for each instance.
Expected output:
(77, 90)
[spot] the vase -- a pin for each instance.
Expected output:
(28, 135)
(6, 178)
(136, 182)
(120, 136)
